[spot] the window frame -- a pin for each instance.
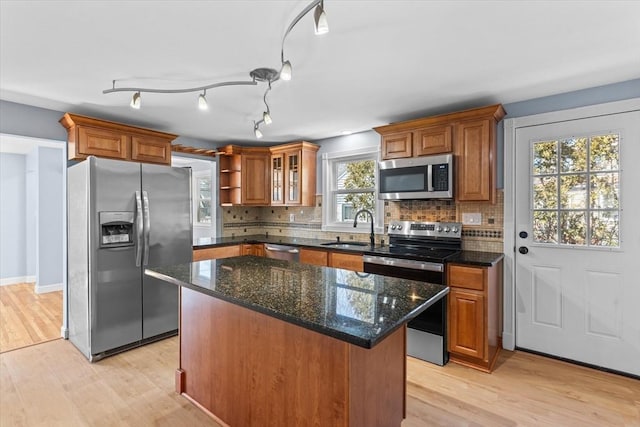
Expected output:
(329, 220)
(588, 210)
(196, 177)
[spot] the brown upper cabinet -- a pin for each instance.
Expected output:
(244, 176)
(293, 174)
(94, 137)
(283, 175)
(255, 177)
(469, 134)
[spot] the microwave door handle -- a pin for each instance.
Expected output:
(429, 178)
(139, 229)
(147, 227)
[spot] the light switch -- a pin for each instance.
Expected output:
(471, 218)
(292, 217)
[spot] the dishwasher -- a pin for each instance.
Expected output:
(287, 253)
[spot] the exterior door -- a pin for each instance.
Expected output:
(577, 211)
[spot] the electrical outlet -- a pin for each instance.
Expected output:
(471, 218)
(292, 217)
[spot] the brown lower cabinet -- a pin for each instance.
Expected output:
(216, 252)
(474, 315)
(246, 368)
(347, 261)
(314, 256)
(255, 249)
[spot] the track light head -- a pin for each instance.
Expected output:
(202, 102)
(256, 131)
(135, 101)
(266, 117)
(320, 20)
(285, 71)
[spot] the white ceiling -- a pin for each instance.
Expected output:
(382, 61)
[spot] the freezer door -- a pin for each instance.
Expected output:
(169, 241)
(115, 282)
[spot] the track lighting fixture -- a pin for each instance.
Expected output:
(266, 117)
(135, 101)
(267, 75)
(256, 130)
(285, 71)
(320, 18)
(202, 101)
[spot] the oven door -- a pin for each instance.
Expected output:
(432, 320)
(427, 332)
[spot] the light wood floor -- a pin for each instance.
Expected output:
(27, 318)
(52, 384)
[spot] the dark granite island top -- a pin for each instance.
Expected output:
(358, 308)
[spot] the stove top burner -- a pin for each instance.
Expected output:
(426, 229)
(433, 241)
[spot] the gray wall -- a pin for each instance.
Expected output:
(337, 144)
(50, 200)
(26, 120)
(31, 213)
(596, 95)
(564, 101)
(12, 216)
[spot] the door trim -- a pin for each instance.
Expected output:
(510, 128)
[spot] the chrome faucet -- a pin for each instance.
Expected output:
(355, 224)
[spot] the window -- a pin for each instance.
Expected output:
(576, 190)
(350, 185)
(203, 194)
(203, 198)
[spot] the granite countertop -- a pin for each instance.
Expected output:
(485, 259)
(359, 308)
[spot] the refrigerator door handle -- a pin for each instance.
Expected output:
(139, 229)
(147, 227)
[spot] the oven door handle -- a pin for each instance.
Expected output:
(404, 263)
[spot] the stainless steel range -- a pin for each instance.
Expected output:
(418, 251)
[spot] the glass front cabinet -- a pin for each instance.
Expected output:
(293, 174)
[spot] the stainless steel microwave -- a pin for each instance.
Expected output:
(427, 177)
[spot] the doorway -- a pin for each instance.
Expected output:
(572, 212)
(33, 240)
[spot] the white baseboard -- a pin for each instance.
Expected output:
(16, 280)
(43, 289)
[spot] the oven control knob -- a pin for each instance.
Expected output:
(447, 229)
(399, 227)
(393, 226)
(455, 229)
(439, 229)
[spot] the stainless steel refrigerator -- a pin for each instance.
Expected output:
(123, 218)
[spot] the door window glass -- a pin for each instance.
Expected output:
(575, 190)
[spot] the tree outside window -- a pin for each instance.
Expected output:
(350, 186)
(576, 189)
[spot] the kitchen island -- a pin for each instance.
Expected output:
(271, 342)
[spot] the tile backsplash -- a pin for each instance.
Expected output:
(306, 222)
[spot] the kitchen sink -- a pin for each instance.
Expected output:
(344, 244)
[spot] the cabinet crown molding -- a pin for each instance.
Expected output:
(69, 121)
(496, 110)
